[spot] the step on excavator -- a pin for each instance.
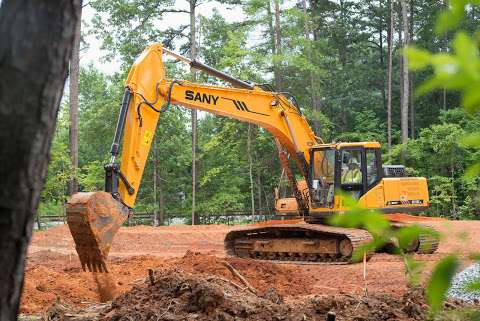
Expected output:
(355, 168)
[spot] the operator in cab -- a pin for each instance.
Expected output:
(352, 175)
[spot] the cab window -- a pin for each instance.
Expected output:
(372, 167)
(324, 165)
(351, 167)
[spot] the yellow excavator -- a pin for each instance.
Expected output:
(354, 168)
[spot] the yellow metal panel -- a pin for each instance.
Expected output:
(406, 191)
(374, 198)
(359, 144)
(144, 75)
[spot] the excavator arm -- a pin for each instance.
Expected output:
(148, 92)
(94, 218)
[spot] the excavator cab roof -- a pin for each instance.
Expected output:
(354, 144)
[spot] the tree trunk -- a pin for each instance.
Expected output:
(35, 49)
(159, 213)
(161, 199)
(445, 49)
(412, 109)
(404, 107)
(278, 49)
(155, 170)
(193, 55)
(411, 82)
(316, 101)
(343, 60)
(444, 99)
(271, 28)
(389, 95)
(74, 73)
(382, 61)
(259, 192)
(400, 60)
(250, 164)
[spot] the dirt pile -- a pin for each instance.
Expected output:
(180, 295)
(176, 294)
(411, 306)
(50, 275)
(287, 280)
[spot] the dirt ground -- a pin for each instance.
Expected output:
(53, 270)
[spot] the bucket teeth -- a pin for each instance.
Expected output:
(94, 219)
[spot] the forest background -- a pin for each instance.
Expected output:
(333, 56)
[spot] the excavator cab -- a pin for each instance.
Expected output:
(354, 168)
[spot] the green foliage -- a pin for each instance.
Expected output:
(449, 189)
(337, 73)
(440, 281)
(382, 231)
(50, 207)
(59, 169)
(464, 314)
(92, 176)
(380, 228)
(459, 70)
(449, 19)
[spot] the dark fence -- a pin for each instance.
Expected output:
(229, 218)
(147, 218)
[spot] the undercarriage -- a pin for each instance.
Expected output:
(304, 242)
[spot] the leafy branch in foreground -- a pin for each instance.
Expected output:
(460, 71)
(384, 234)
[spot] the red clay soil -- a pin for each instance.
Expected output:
(402, 217)
(53, 269)
(165, 241)
(61, 277)
(175, 294)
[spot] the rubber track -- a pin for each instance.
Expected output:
(428, 244)
(358, 237)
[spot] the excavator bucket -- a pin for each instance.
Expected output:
(94, 219)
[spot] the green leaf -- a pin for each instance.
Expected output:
(472, 140)
(418, 59)
(471, 98)
(447, 20)
(414, 269)
(407, 235)
(473, 286)
(367, 248)
(440, 281)
(473, 171)
(429, 85)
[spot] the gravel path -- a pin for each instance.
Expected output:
(460, 281)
